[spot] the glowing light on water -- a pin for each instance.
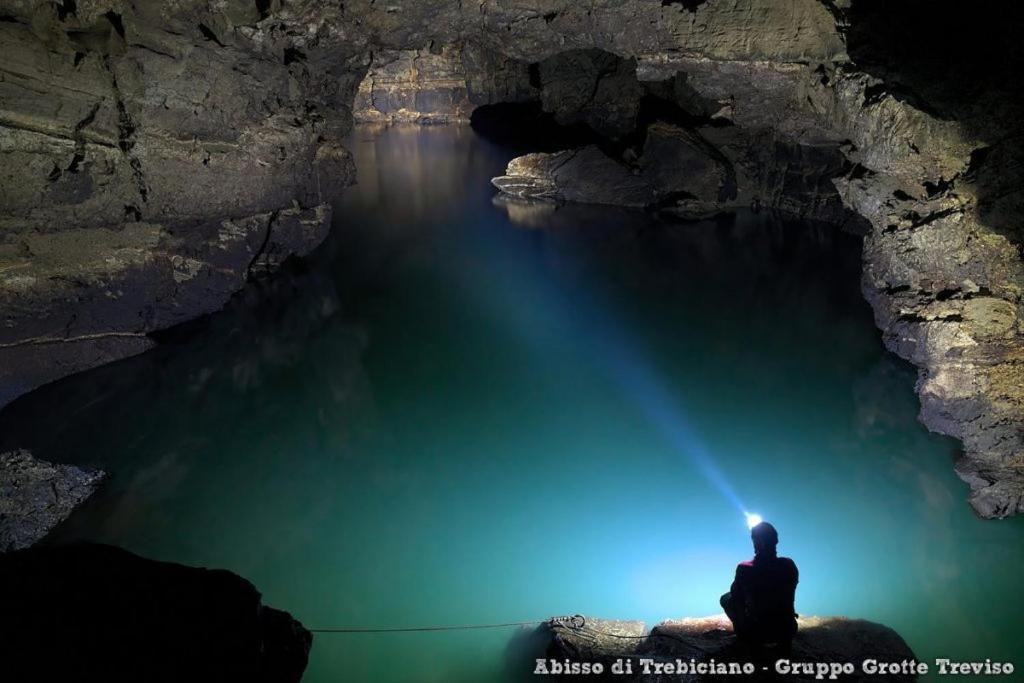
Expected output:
(652, 394)
(753, 519)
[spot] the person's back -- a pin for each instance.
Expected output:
(761, 601)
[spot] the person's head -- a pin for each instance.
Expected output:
(765, 538)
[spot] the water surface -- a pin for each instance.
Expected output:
(462, 412)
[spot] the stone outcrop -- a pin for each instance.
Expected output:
(35, 496)
(689, 173)
(708, 640)
(166, 120)
(578, 175)
(88, 612)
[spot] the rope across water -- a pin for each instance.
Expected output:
(576, 623)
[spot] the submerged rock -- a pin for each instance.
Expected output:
(88, 612)
(36, 496)
(820, 640)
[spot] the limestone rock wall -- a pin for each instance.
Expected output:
(438, 84)
(153, 158)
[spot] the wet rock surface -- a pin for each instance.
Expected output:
(36, 496)
(89, 612)
(709, 640)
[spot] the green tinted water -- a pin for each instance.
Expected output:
(447, 416)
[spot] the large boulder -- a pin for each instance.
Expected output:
(89, 612)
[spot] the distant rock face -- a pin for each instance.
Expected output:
(438, 84)
(88, 612)
(689, 173)
(820, 640)
(36, 496)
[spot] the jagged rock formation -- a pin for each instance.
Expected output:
(182, 116)
(36, 496)
(710, 640)
(89, 612)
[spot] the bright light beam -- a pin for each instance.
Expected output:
(753, 519)
(658, 404)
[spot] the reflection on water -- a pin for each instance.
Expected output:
(420, 426)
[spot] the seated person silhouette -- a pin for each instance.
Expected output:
(760, 601)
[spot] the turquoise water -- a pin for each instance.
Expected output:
(461, 413)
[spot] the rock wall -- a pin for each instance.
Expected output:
(440, 84)
(184, 127)
(153, 158)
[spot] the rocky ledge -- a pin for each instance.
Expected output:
(656, 655)
(88, 612)
(35, 496)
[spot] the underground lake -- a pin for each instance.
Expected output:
(461, 410)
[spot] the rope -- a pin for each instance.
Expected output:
(580, 626)
(417, 629)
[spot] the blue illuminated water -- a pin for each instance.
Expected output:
(458, 412)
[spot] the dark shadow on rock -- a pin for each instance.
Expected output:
(960, 63)
(525, 127)
(90, 612)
